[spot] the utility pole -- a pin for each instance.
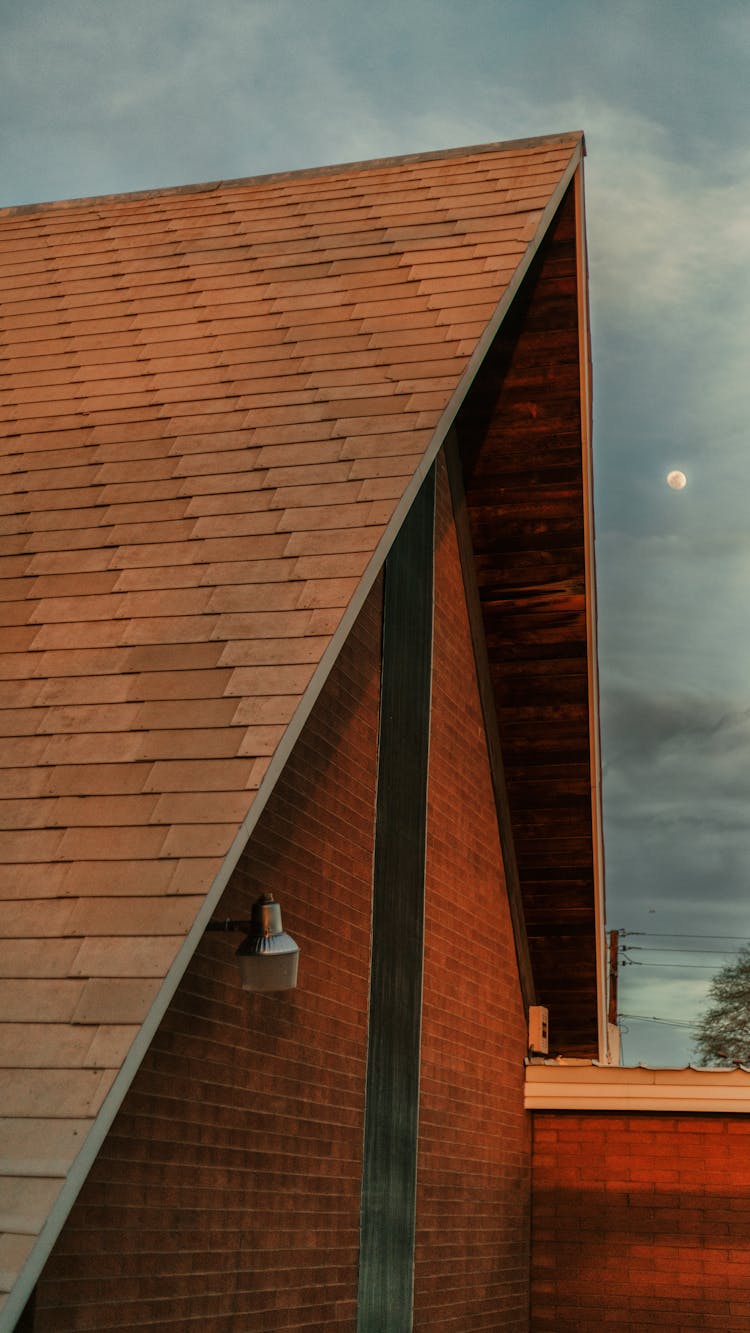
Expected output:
(614, 952)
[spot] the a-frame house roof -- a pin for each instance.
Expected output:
(217, 406)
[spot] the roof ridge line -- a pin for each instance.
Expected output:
(299, 173)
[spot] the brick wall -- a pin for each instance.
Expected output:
(641, 1222)
(471, 1267)
(227, 1193)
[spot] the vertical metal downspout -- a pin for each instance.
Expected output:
(389, 1167)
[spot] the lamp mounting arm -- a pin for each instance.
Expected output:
(228, 924)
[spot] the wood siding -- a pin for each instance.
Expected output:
(519, 435)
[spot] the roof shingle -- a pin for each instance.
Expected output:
(212, 403)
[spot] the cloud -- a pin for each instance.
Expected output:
(671, 258)
(672, 606)
(678, 995)
(676, 789)
(99, 97)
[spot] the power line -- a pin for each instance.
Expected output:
(703, 967)
(677, 948)
(677, 935)
(670, 1022)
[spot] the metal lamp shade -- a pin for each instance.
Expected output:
(267, 956)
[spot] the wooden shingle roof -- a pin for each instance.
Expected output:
(216, 406)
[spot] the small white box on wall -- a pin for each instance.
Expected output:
(538, 1030)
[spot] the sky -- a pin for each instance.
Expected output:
(100, 96)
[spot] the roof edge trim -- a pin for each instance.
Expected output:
(80, 1168)
(592, 653)
(607, 1088)
(298, 173)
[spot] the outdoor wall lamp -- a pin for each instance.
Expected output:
(267, 956)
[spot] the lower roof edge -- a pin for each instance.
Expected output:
(589, 1086)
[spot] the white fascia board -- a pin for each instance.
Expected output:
(597, 1088)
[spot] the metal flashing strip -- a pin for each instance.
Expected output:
(593, 1087)
(389, 1166)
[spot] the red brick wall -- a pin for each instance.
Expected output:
(471, 1268)
(227, 1194)
(641, 1222)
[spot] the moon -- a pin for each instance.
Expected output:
(677, 480)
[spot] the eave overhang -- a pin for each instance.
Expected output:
(524, 437)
